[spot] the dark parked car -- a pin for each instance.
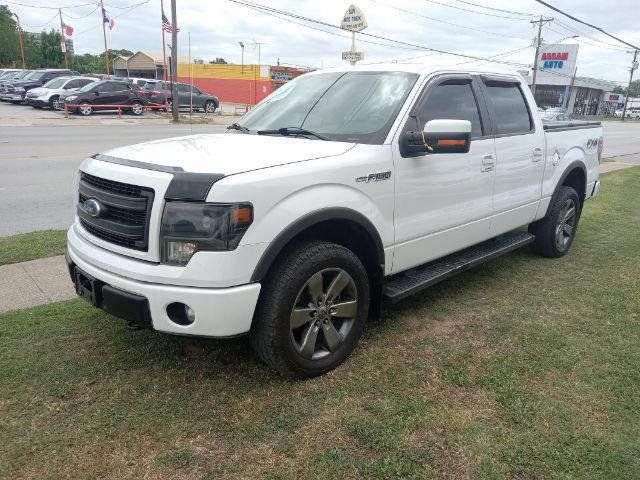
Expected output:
(107, 92)
(16, 90)
(186, 94)
(13, 77)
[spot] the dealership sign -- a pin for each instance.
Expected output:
(558, 59)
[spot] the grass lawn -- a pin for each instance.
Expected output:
(29, 246)
(524, 368)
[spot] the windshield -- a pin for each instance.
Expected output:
(89, 87)
(35, 75)
(21, 74)
(345, 107)
(6, 75)
(55, 83)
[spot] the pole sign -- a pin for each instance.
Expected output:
(353, 56)
(353, 20)
(557, 61)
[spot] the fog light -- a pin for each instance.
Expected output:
(191, 315)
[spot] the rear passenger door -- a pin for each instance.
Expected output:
(519, 146)
(184, 95)
(444, 201)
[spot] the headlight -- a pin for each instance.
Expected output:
(19, 89)
(189, 227)
(70, 98)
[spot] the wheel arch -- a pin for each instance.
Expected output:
(575, 176)
(343, 226)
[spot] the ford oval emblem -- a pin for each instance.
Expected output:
(92, 207)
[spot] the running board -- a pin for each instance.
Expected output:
(422, 277)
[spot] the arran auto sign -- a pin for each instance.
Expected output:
(554, 59)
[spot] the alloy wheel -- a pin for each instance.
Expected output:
(137, 109)
(323, 313)
(566, 225)
(85, 109)
(210, 107)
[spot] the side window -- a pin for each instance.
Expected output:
(451, 100)
(82, 83)
(72, 84)
(183, 88)
(105, 87)
(511, 112)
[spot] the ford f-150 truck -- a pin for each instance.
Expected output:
(342, 190)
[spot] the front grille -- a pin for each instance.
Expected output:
(124, 211)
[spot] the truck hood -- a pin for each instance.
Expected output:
(26, 83)
(227, 153)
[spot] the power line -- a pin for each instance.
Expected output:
(475, 11)
(582, 34)
(42, 25)
(498, 9)
(47, 7)
(81, 16)
(412, 13)
(587, 24)
(582, 41)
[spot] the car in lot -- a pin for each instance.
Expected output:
(12, 76)
(106, 95)
(50, 93)
(6, 73)
(633, 113)
(555, 116)
(187, 95)
(142, 82)
(342, 189)
(15, 91)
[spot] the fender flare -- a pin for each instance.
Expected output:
(571, 167)
(308, 220)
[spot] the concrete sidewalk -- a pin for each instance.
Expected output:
(46, 280)
(34, 283)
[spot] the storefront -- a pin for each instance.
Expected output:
(558, 86)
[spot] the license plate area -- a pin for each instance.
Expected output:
(88, 288)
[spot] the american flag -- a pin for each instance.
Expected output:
(166, 24)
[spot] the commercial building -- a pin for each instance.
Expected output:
(557, 84)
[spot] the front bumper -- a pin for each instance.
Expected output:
(12, 97)
(37, 101)
(219, 312)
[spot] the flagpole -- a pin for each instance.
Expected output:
(164, 57)
(104, 34)
(64, 49)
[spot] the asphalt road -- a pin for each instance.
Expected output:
(38, 163)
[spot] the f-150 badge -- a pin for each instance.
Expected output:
(375, 177)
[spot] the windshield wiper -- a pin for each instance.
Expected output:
(237, 126)
(286, 131)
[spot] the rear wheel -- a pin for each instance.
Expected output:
(556, 231)
(312, 309)
(137, 109)
(85, 109)
(169, 105)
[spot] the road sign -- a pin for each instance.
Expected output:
(353, 20)
(353, 56)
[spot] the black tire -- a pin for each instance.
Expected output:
(169, 106)
(272, 336)
(210, 106)
(53, 103)
(136, 109)
(555, 223)
(85, 109)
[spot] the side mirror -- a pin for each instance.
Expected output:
(438, 136)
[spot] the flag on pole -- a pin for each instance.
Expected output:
(166, 24)
(107, 19)
(68, 29)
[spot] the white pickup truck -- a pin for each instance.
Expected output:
(344, 189)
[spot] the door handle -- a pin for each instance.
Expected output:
(537, 154)
(488, 162)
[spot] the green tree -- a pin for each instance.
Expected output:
(9, 46)
(218, 60)
(619, 90)
(52, 56)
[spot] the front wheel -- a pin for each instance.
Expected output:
(55, 103)
(85, 109)
(210, 107)
(556, 231)
(312, 310)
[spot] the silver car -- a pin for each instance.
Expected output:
(50, 93)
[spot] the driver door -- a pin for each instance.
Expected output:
(444, 200)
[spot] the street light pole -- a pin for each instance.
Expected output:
(634, 65)
(20, 39)
(174, 61)
(242, 57)
(538, 42)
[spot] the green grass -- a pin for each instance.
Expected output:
(29, 246)
(524, 368)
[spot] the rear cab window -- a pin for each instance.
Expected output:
(511, 115)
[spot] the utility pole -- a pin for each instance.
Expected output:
(573, 81)
(104, 34)
(64, 43)
(20, 39)
(174, 62)
(634, 65)
(538, 43)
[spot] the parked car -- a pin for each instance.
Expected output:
(106, 92)
(15, 91)
(322, 202)
(49, 94)
(633, 113)
(142, 82)
(6, 73)
(186, 94)
(13, 77)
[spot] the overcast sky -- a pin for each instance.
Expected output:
(217, 26)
